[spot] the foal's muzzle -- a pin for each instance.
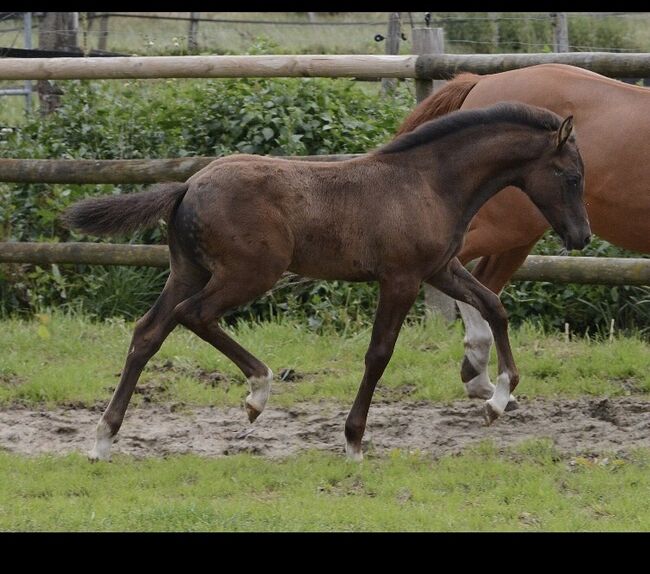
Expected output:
(576, 242)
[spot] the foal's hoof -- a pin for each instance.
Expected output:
(354, 453)
(512, 405)
(490, 414)
(94, 456)
(252, 412)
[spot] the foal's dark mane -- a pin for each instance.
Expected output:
(458, 120)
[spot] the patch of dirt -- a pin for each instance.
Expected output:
(585, 426)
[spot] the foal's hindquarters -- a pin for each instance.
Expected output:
(217, 263)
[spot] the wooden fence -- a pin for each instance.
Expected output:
(426, 66)
(611, 271)
(555, 269)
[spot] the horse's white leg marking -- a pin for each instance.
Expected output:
(354, 453)
(497, 404)
(478, 340)
(103, 442)
(260, 390)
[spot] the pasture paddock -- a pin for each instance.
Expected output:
(396, 216)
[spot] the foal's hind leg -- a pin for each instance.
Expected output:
(150, 332)
(227, 290)
(459, 283)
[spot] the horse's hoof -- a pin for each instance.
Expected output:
(354, 453)
(489, 414)
(512, 405)
(252, 412)
(94, 456)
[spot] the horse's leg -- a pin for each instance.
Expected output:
(201, 312)
(149, 334)
(396, 296)
(459, 283)
(493, 271)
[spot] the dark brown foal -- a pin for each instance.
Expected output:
(396, 216)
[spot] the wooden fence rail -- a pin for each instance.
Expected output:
(556, 269)
(427, 66)
(116, 170)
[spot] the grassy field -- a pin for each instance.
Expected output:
(530, 488)
(58, 360)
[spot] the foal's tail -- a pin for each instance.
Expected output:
(123, 214)
(447, 99)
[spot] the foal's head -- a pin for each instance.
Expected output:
(555, 181)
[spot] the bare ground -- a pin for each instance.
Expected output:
(585, 426)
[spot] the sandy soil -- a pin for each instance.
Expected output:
(585, 426)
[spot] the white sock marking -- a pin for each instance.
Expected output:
(478, 341)
(501, 395)
(354, 453)
(478, 337)
(260, 391)
(103, 442)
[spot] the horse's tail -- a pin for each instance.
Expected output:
(447, 99)
(123, 214)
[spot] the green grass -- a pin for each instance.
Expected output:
(530, 488)
(61, 359)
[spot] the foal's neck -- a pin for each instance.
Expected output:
(484, 163)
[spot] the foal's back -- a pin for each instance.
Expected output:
(340, 219)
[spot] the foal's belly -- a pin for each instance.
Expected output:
(326, 264)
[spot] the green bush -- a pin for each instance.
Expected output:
(589, 309)
(152, 119)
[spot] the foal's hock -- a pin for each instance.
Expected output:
(396, 215)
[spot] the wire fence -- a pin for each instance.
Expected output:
(221, 26)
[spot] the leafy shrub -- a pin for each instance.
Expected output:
(587, 308)
(113, 120)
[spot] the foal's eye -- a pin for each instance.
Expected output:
(573, 180)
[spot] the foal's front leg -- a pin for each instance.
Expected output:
(396, 296)
(457, 282)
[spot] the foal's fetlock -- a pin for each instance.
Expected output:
(501, 399)
(103, 442)
(353, 451)
(259, 395)
(479, 387)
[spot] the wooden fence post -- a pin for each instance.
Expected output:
(57, 31)
(431, 41)
(560, 32)
(103, 33)
(392, 47)
(427, 41)
(192, 43)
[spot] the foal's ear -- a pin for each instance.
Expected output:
(564, 132)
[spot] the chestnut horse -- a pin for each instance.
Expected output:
(397, 216)
(612, 121)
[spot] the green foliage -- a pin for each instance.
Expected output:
(587, 308)
(611, 33)
(153, 119)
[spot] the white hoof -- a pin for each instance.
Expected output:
(259, 395)
(480, 387)
(353, 453)
(103, 443)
